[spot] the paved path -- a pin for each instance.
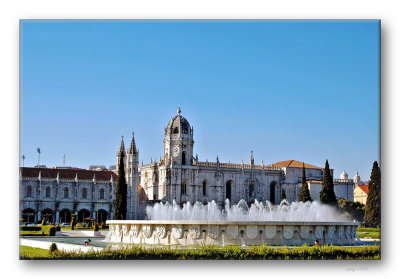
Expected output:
(60, 246)
(79, 233)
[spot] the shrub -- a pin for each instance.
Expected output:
(44, 221)
(262, 252)
(49, 230)
(30, 228)
(95, 227)
(58, 228)
(53, 248)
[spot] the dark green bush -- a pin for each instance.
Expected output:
(53, 248)
(95, 227)
(49, 230)
(230, 253)
(58, 228)
(30, 228)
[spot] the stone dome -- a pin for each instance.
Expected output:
(178, 124)
(344, 175)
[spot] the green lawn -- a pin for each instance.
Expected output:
(369, 233)
(27, 252)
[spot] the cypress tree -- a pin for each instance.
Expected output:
(373, 206)
(283, 195)
(121, 192)
(304, 195)
(327, 194)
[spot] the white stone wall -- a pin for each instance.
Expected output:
(342, 190)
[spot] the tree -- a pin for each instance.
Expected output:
(304, 195)
(121, 192)
(373, 206)
(283, 195)
(327, 194)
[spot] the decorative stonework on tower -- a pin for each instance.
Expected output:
(178, 141)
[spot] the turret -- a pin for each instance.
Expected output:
(357, 178)
(178, 141)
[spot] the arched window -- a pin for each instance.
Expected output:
(29, 191)
(183, 158)
(204, 187)
(251, 190)
(101, 194)
(66, 193)
(228, 190)
(84, 193)
(47, 192)
(272, 192)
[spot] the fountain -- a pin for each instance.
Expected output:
(285, 224)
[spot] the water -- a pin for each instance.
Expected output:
(295, 211)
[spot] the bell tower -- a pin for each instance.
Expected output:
(178, 141)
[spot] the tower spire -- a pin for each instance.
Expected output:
(122, 147)
(132, 147)
(179, 110)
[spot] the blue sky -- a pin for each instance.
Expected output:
(302, 90)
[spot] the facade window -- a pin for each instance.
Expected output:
(272, 192)
(66, 193)
(183, 158)
(204, 187)
(183, 189)
(84, 193)
(251, 190)
(101, 194)
(29, 191)
(47, 192)
(229, 190)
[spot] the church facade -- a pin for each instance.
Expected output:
(180, 176)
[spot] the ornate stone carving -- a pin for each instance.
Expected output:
(304, 232)
(330, 234)
(117, 231)
(353, 233)
(288, 232)
(177, 231)
(341, 232)
(135, 229)
(194, 231)
(147, 230)
(347, 232)
(213, 231)
(319, 232)
(161, 231)
(111, 230)
(233, 231)
(251, 232)
(270, 232)
(125, 230)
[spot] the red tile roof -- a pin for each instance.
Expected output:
(294, 164)
(365, 188)
(68, 173)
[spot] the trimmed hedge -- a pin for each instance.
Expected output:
(264, 252)
(30, 228)
(49, 230)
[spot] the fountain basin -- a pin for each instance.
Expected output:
(173, 232)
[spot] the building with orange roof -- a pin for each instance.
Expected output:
(361, 193)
